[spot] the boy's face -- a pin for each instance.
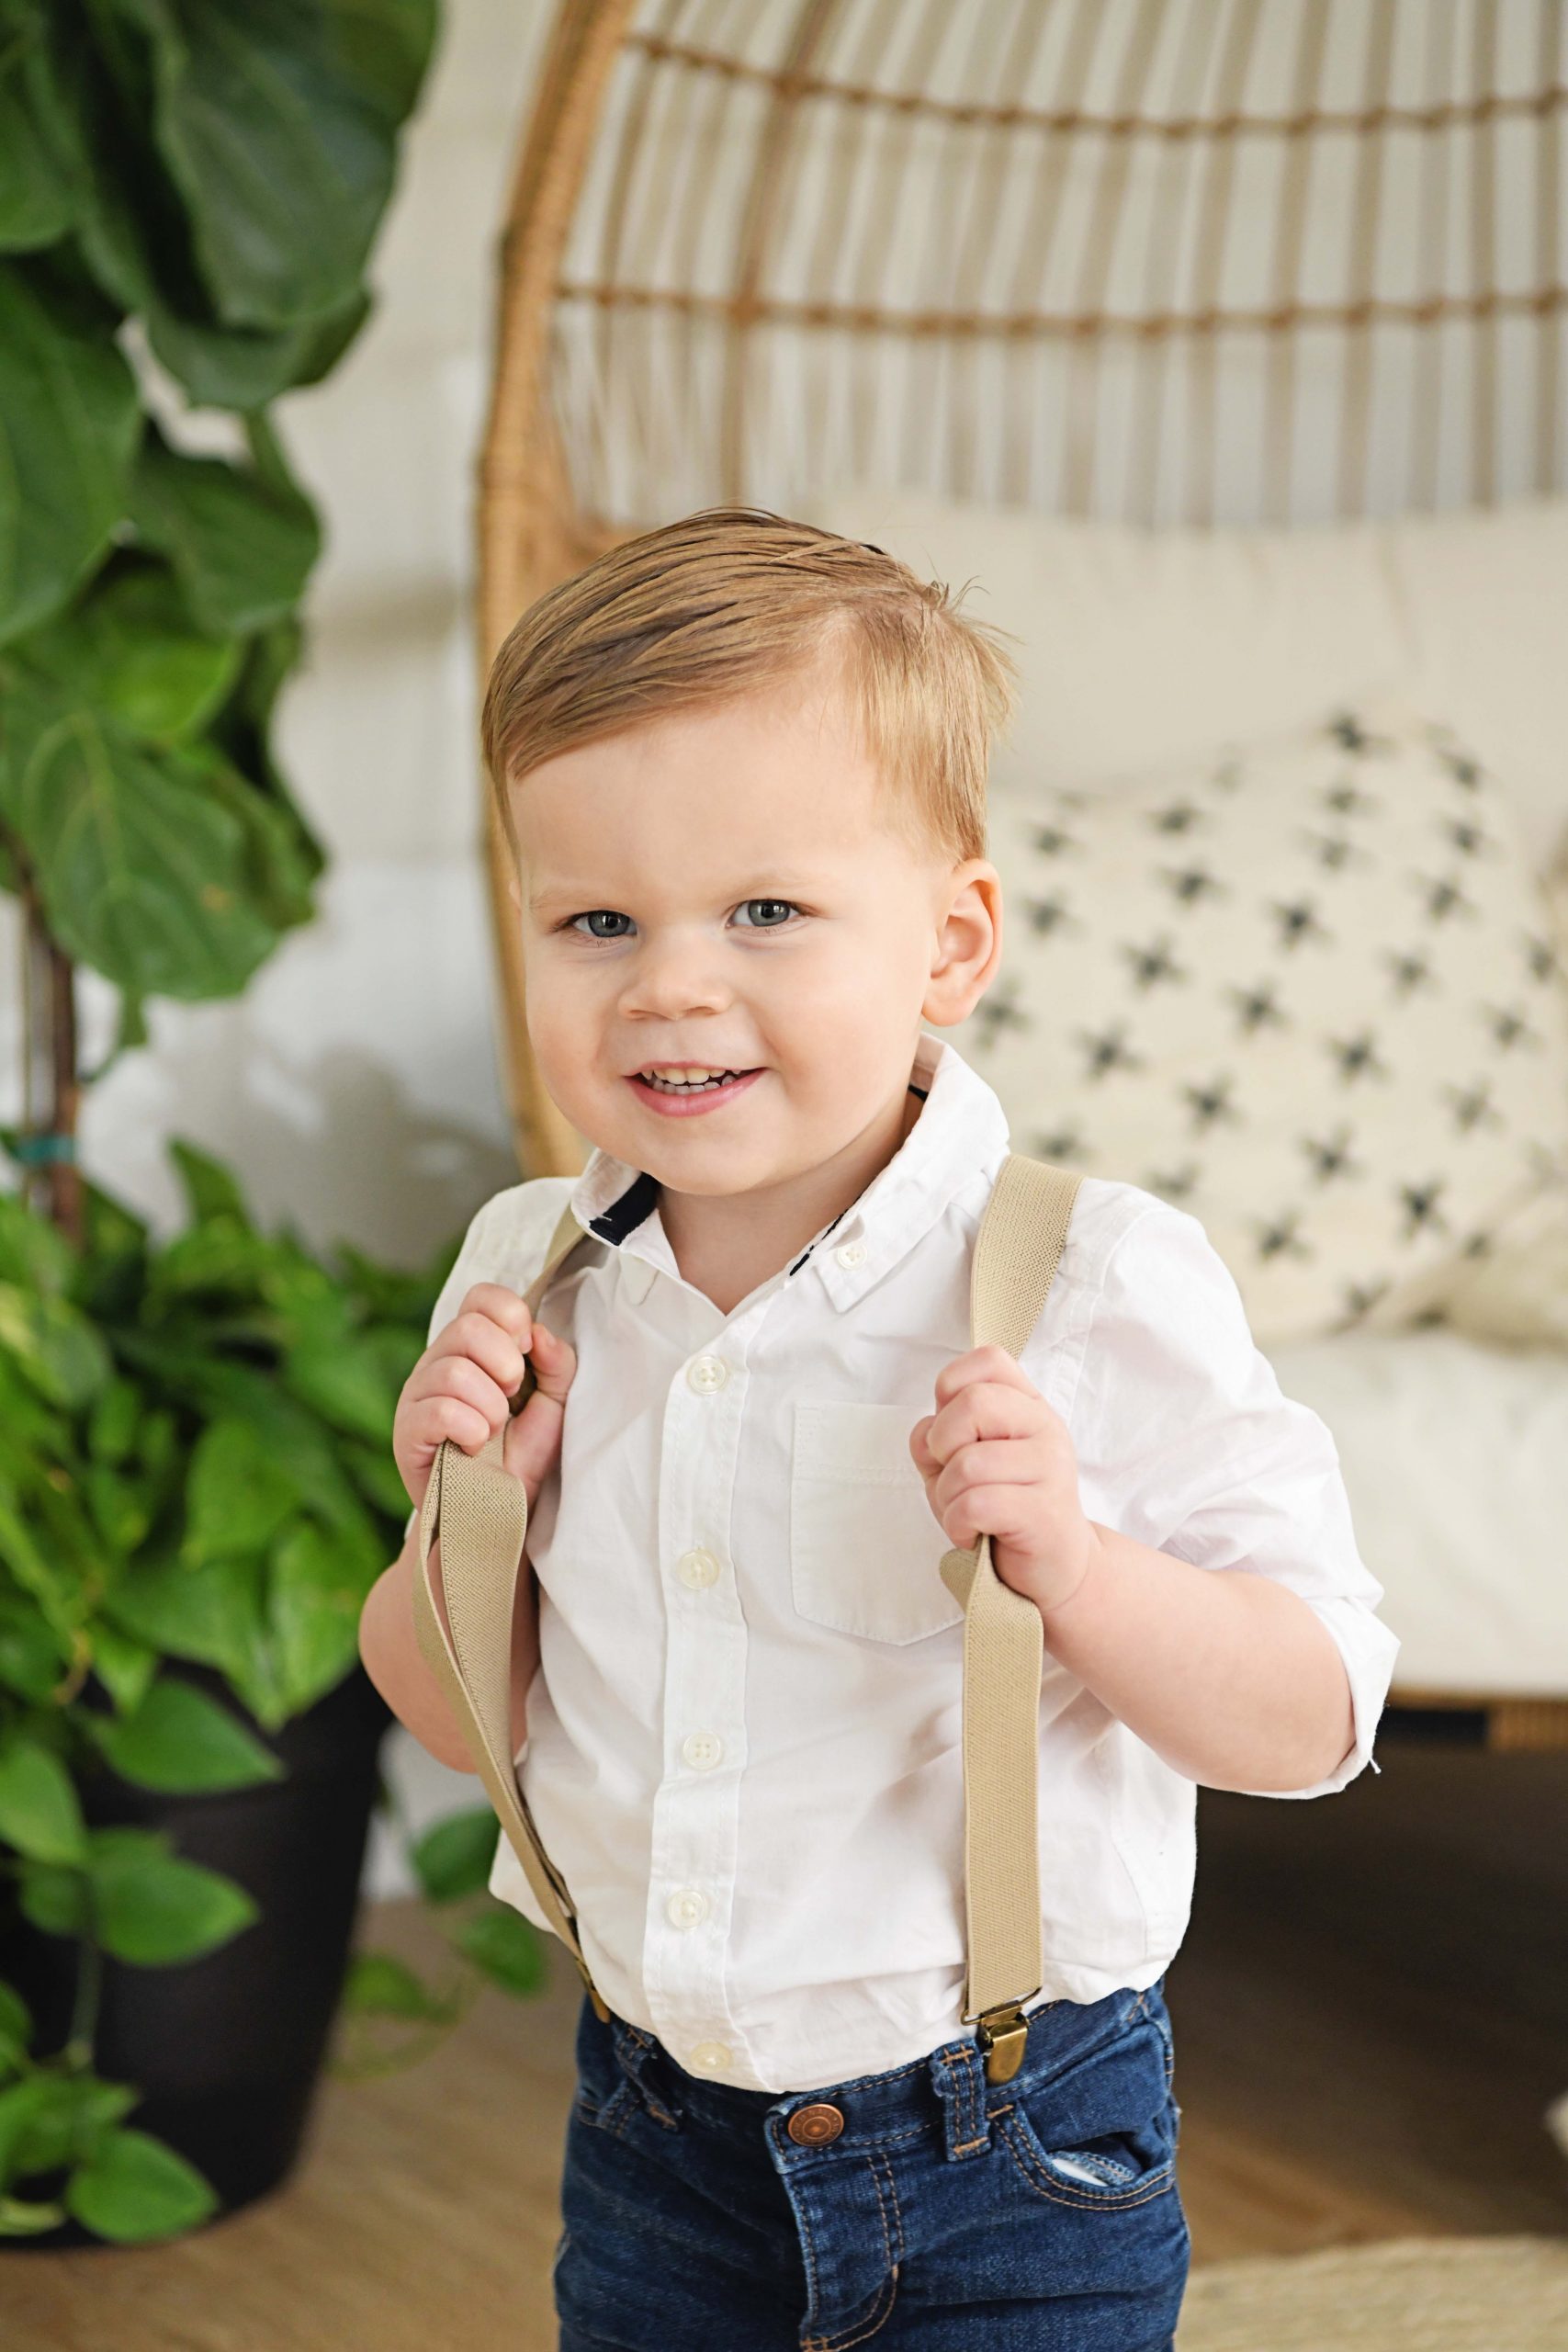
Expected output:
(719, 887)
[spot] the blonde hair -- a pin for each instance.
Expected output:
(734, 600)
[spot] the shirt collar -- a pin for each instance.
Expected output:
(961, 1135)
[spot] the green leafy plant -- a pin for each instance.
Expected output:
(195, 1433)
(194, 1465)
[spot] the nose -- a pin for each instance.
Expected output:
(673, 976)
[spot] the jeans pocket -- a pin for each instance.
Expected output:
(1101, 2135)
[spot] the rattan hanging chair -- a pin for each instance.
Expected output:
(1045, 253)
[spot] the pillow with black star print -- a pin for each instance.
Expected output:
(1309, 992)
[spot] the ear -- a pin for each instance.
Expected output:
(967, 944)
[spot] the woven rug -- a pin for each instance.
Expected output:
(1500, 2294)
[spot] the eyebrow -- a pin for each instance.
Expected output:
(774, 885)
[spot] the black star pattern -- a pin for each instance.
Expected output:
(1064, 1146)
(1421, 1210)
(1347, 800)
(1277, 1238)
(1509, 1025)
(1472, 1106)
(1108, 1051)
(1173, 1184)
(1153, 963)
(1211, 1103)
(1257, 1005)
(1051, 841)
(1410, 971)
(1355, 1055)
(1334, 850)
(1462, 768)
(1360, 1300)
(1046, 915)
(1541, 958)
(1000, 1011)
(1298, 919)
(1444, 896)
(1468, 839)
(1179, 817)
(1190, 884)
(1348, 731)
(1332, 1158)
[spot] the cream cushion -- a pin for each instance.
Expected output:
(1307, 992)
(1452, 1454)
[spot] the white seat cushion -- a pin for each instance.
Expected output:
(1453, 1454)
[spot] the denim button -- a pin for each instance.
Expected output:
(815, 2126)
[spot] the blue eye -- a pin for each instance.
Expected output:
(592, 916)
(782, 908)
(786, 904)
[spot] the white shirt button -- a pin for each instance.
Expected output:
(704, 1374)
(702, 1749)
(710, 2058)
(698, 1569)
(851, 1254)
(687, 1908)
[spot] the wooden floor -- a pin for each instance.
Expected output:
(1371, 2013)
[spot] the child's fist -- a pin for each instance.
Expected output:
(461, 1386)
(996, 1461)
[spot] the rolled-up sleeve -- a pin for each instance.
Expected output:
(1188, 1444)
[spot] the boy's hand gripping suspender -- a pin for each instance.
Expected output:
(480, 1511)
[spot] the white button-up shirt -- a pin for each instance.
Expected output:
(743, 1748)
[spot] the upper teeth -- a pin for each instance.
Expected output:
(687, 1077)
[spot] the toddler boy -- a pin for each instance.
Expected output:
(741, 764)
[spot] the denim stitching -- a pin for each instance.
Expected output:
(1155, 2184)
(880, 2315)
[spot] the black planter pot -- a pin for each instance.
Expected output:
(227, 2049)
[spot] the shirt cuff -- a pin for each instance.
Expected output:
(1369, 1650)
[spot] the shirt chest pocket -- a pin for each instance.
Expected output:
(864, 1542)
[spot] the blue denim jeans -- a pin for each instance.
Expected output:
(945, 2213)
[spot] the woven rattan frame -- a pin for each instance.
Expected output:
(751, 244)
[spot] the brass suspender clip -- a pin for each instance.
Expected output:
(1001, 2034)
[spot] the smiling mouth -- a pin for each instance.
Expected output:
(691, 1086)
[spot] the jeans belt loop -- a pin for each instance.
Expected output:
(960, 2084)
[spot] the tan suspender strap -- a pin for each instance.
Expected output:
(481, 1514)
(1016, 1254)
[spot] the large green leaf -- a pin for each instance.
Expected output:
(135, 239)
(56, 2116)
(315, 1595)
(180, 1740)
(239, 1493)
(277, 120)
(53, 1346)
(506, 1947)
(135, 2188)
(379, 1984)
(142, 874)
(40, 1812)
(211, 1190)
(242, 545)
(131, 647)
(41, 165)
(152, 1907)
(69, 424)
(454, 1857)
